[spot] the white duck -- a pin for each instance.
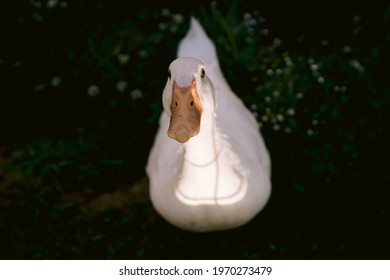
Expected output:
(216, 175)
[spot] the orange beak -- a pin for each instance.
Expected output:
(186, 109)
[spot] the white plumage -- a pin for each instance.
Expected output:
(220, 178)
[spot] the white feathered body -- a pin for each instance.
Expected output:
(219, 179)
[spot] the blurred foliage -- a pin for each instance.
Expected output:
(81, 85)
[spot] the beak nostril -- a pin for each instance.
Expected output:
(176, 104)
(192, 103)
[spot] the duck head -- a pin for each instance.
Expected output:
(187, 98)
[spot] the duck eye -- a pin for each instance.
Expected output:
(169, 73)
(202, 73)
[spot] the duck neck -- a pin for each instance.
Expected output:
(202, 149)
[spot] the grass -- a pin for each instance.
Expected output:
(80, 108)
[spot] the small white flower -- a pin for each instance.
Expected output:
(55, 81)
(143, 53)
(310, 61)
(51, 3)
(162, 26)
(93, 90)
(314, 122)
(288, 61)
(269, 72)
(276, 127)
(310, 132)
(299, 95)
(267, 99)
(320, 79)
(356, 64)
(336, 88)
(249, 20)
(252, 22)
(287, 130)
(136, 94)
(123, 58)
(276, 93)
(247, 16)
(178, 18)
(290, 112)
(278, 71)
(314, 67)
(347, 49)
(165, 12)
(277, 43)
(121, 86)
(279, 117)
(264, 118)
(265, 31)
(254, 107)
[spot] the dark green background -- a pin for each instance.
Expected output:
(72, 178)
